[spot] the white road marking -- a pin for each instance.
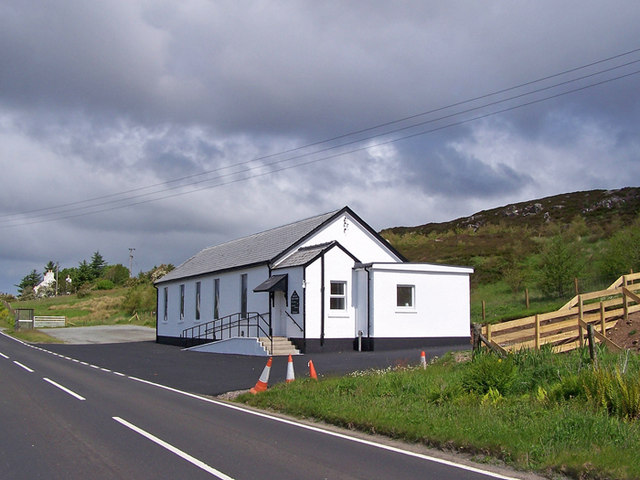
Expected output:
(23, 366)
(64, 389)
(3, 355)
(174, 450)
(333, 434)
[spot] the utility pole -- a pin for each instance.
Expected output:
(131, 250)
(57, 271)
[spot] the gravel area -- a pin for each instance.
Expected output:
(102, 334)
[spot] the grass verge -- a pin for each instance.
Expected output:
(537, 411)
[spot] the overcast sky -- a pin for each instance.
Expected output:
(171, 126)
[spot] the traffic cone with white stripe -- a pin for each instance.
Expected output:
(423, 360)
(261, 385)
(290, 375)
(312, 371)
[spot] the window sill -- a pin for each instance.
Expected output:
(401, 310)
(338, 315)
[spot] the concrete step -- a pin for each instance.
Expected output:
(281, 346)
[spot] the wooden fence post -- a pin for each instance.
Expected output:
(489, 332)
(580, 319)
(477, 331)
(592, 344)
(537, 332)
(526, 297)
(484, 312)
(603, 327)
(575, 284)
(625, 302)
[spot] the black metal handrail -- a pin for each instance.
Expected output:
(294, 321)
(234, 325)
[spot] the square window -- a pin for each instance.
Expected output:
(405, 296)
(338, 296)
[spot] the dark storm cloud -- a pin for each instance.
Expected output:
(103, 97)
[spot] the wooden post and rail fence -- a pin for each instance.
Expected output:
(566, 329)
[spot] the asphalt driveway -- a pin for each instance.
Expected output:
(213, 373)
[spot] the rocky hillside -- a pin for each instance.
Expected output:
(595, 206)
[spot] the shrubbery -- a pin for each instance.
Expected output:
(140, 298)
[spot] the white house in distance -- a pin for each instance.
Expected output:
(328, 282)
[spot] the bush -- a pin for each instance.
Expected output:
(140, 298)
(488, 371)
(5, 317)
(104, 284)
(84, 291)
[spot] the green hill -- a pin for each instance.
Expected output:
(513, 247)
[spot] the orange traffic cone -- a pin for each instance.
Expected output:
(261, 386)
(423, 360)
(290, 375)
(312, 370)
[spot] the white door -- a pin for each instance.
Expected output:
(278, 315)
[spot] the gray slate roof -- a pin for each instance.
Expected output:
(255, 249)
(304, 255)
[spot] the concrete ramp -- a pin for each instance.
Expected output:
(236, 345)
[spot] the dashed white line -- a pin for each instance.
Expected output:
(64, 389)
(175, 450)
(3, 355)
(23, 366)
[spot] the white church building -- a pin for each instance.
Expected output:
(328, 282)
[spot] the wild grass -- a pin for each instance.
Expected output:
(533, 410)
(106, 307)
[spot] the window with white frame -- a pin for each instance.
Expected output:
(338, 296)
(198, 285)
(165, 315)
(216, 298)
(181, 302)
(405, 296)
(243, 295)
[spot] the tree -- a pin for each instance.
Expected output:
(97, 265)
(559, 265)
(50, 266)
(84, 274)
(622, 252)
(118, 274)
(28, 282)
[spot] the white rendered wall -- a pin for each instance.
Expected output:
(313, 299)
(230, 288)
(355, 238)
(441, 305)
(338, 266)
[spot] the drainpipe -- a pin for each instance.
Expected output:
(304, 308)
(322, 300)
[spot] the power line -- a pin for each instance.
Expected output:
(248, 170)
(352, 133)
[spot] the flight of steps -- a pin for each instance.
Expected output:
(281, 346)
